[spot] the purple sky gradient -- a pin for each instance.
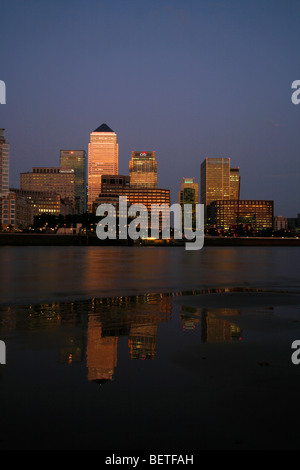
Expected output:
(188, 79)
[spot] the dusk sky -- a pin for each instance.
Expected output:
(189, 79)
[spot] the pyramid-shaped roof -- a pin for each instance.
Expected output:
(103, 128)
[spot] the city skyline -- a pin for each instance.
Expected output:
(218, 180)
(215, 89)
(149, 227)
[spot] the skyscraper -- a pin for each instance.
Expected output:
(15, 211)
(4, 164)
(189, 194)
(215, 180)
(103, 159)
(76, 159)
(235, 182)
(143, 170)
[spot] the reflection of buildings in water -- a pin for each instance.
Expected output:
(72, 350)
(217, 329)
(214, 327)
(143, 329)
(142, 341)
(191, 318)
(111, 319)
(101, 352)
(8, 321)
(104, 321)
(189, 322)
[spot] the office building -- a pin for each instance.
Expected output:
(103, 159)
(45, 202)
(114, 186)
(188, 194)
(235, 183)
(15, 212)
(76, 160)
(294, 223)
(4, 164)
(51, 179)
(257, 214)
(143, 170)
(280, 223)
(215, 180)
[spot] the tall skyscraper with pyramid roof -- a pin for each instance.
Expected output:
(103, 159)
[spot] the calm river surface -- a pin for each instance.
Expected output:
(117, 348)
(46, 274)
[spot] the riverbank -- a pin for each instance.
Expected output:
(43, 239)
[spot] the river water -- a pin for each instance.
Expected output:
(46, 274)
(117, 348)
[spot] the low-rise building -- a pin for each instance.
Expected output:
(15, 212)
(257, 214)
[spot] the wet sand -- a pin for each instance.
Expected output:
(223, 381)
(251, 388)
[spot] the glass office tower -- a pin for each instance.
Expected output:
(215, 180)
(188, 194)
(143, 170)
(76, 159)
(235, 183)
(103, 159)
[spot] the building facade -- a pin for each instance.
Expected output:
(76, 160)
(103, 159)
(235, 183)
(114, 187)
(45, 202)
(143, 170)
(15, 212)
(51, 179)
(215, 180)
(188, 194)
(257, 214)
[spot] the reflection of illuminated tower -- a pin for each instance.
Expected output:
(215, 328)
(143, 170)
(101, 353)
(142, 341)
(72, 351)
(103, 159)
